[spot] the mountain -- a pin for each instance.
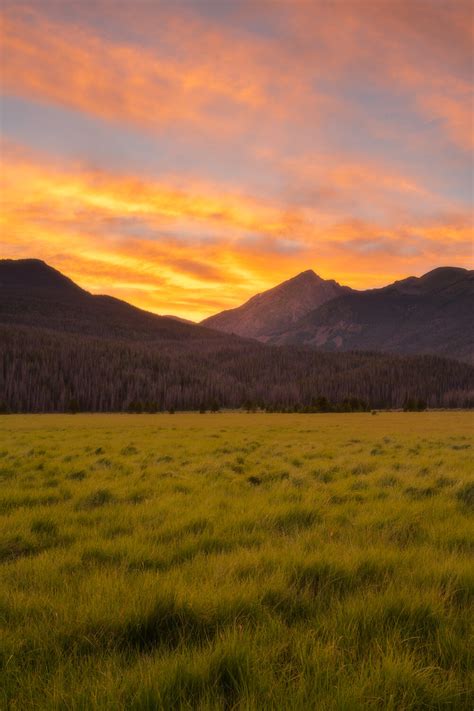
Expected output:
(430, 314)
(278, 309)
(36, 277)
(34, 294)
(179, 318)
(63, 348)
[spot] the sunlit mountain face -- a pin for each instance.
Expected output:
(184, 156)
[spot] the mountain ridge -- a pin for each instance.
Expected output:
(431, 314)
(61, 347)
(277, 308)
(36, 294)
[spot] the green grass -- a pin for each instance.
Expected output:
(236, 561)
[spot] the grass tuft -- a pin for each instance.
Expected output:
(466, 495)
(98, 498)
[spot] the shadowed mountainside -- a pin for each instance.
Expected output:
(35, 294)
(431, 314)
(278, 309)
(62, 348)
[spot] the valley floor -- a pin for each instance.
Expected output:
(236, 561)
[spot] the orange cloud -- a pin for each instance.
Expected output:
(223, 80)
(424, 50)
(128, 236)
(456, 113)
(150, 87)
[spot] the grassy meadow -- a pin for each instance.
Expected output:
(236, 561)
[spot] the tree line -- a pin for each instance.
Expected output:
(47, 371)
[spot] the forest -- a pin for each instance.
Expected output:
(47, 371)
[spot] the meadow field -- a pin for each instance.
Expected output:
(236, 561)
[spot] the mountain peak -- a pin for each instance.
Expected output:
(34, 275)
(278, 308)
(32, 293)
(446, 270)
(432, 281)
(306, 273)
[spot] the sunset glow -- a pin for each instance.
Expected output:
(186, 155)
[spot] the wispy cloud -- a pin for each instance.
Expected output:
(278, 137)
(125, 230)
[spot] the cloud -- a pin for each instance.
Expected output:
(152, 87)
(124, 235)
(168, 70)
(332, 136)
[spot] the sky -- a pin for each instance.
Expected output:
(184, 156)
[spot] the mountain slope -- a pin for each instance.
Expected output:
(34, 294)
(277, 309)
(60, 345)
(431, 314)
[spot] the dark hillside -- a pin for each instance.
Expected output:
(433, 314)
(62, 348)
(34, 294)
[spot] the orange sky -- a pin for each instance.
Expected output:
(185, 156)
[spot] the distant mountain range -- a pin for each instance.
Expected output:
(62, 348)
(431, 314)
